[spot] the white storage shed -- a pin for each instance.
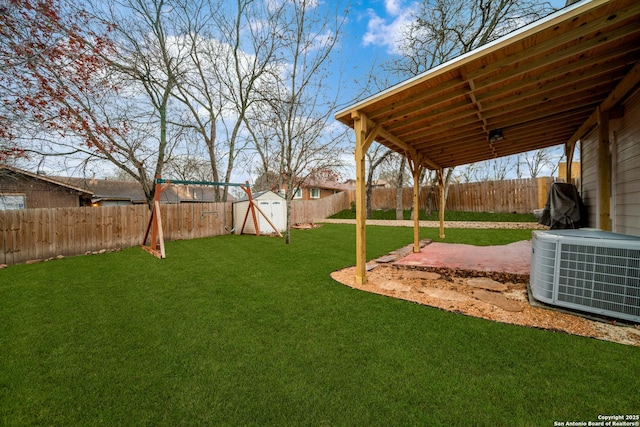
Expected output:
(272, 205)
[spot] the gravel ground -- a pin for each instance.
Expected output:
(456, 293)
(447, 224)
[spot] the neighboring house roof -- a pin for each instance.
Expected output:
(45, 178)
(112, 189)
(351, 183)
(106, 189)
(329, 185)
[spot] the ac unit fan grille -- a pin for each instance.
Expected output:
(603, 278)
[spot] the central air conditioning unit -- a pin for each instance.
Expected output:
(589, 270)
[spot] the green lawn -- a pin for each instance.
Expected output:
(245, 330)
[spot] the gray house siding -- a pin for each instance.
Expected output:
(625, 170)
(589, 177)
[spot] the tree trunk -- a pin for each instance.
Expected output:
(369, 192)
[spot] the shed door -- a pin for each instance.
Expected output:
(274, 210)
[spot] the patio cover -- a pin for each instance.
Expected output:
(548, 83)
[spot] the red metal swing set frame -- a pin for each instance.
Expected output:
(154, 228)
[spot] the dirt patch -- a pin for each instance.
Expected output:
(306, 226)
(458, 291)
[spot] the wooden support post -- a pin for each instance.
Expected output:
(251, 208)
(366, 132)
(442, 200)
(416, 170)
(156, 244)
(360, 127)
(155, 216)
(604, 172)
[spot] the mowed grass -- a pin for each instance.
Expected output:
(245, 330)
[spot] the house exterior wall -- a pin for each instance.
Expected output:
(324, 192)
(306, 192)
(589, 178)
(625, 170)
(39, 193)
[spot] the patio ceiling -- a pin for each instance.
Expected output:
(539, 86)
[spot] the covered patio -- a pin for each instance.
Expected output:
(549, 83)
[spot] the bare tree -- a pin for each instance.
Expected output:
(146, 64)
(467, 173)
(537, 161)
(376, 158)
(297, 107)
(394, 172)
(400, 178)
(232, 56)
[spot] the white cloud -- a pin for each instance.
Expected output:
(386, 31)
(393, 7)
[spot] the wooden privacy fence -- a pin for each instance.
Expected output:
(31, 234)
(515, 195)
(305, 211)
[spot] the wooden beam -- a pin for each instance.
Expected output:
(403, 111)
(559, 100)
(563, 83)
(156, 247)
(371, 136)
(630, 80)
(406, 147)
(625, 86)
(553, 40)
(156, 244)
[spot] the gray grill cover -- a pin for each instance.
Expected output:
(564, 208)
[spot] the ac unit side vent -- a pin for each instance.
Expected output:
(593, 275)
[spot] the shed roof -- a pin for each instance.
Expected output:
(264, 194)
(538, 86)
